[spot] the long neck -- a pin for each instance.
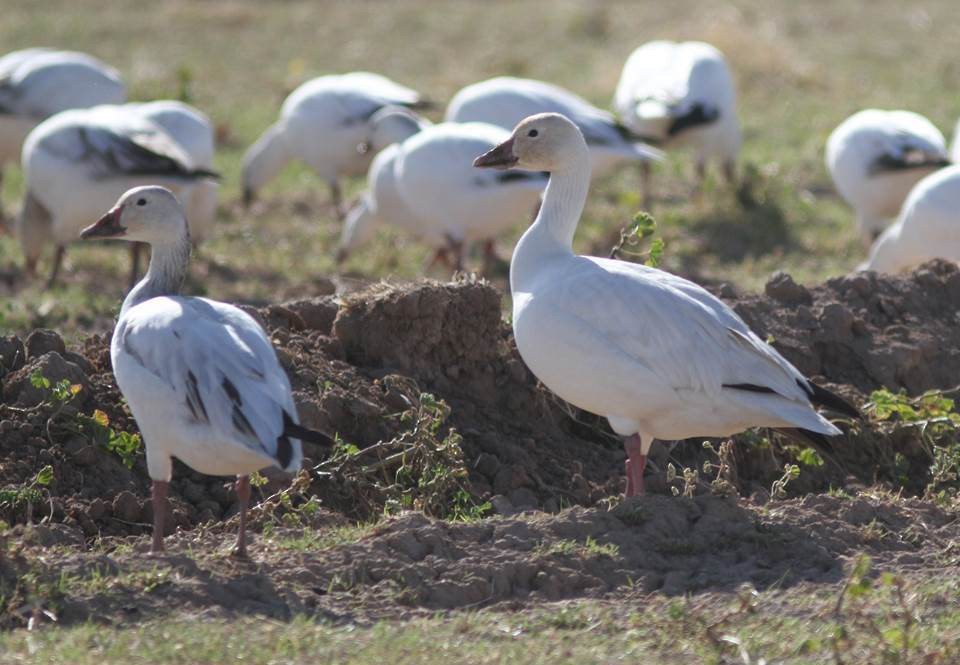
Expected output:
(551, 233)
(168, 267)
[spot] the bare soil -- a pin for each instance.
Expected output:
(550, 472)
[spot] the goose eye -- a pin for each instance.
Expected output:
(533, 133)
(141, 202)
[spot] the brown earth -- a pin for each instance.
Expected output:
(359, 368)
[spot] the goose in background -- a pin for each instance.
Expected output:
(36, 83)
(77, 163)
(324, 124)
(928, 226)
(193, 130)
(657, 355)
(681, 95)
(425, 184)
(504, 101)
(875, 158)
(200, 377)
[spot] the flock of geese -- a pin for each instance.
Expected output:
(657, 355)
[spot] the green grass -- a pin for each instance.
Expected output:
(799, 73)
(796, 626)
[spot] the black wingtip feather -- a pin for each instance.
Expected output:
(296, 431)
(820, 396)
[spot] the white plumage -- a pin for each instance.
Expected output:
(37, 83)
(196, 135)
(928, 226)
(681, 94)
(657, 355)
(77, 163)
(323, 123)
(427, 186)
(875, 158)
(504, 101)
(200, 376)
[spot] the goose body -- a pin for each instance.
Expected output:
(427, 186)
(504, 101)
(77, 163)
(681, 94)
(928, 226)
(875, 158)
(38, 83)
(200, 377)
(657, 355)
(323, 124)
(194, 132)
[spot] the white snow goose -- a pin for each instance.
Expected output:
(200, 376)
(681, 94)
(657, 355)
(37, 83)
(928, 226)
(875, 158)
(427, 186)
(323, 123)
(193, 130)
(77, 163)
(504, 101)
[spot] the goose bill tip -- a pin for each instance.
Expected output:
(107, 226)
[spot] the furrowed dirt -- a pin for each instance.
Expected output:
(531, 482)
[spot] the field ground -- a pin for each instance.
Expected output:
(660, 580)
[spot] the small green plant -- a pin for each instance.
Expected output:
(934, 417)
(27, 496)
(779, 488)
(96, 429)
(633, 235)
(689, 480)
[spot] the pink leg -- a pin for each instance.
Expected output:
(160, 508)
(636, 463)
(243, 494)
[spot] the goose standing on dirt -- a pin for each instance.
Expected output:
(193, 130)
(681, 94)
(78, 162)
(657, 355)
(876, 157)
(36, 83)
(200, 376)
(504, 101)
(928, 226)
(323, 123)
(426, 185)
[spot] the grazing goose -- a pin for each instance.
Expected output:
(657, 355)
(200, 376)
(196, 135)
(323, 123)
(681, 94)
(928, 227)
(876, 157)
(427, 186)
(78, 162)
(504, 101)
(36, 83)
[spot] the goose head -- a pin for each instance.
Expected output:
(391, 124)
(143, 214)
(542, 142)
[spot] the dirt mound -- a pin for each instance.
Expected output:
(866, 330)
(362, 367)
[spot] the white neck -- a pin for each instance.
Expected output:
(551, 233)
(168, 267)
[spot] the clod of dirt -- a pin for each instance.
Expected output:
(12, 354)
(782, 288)
(43, 341)
(19, 389)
